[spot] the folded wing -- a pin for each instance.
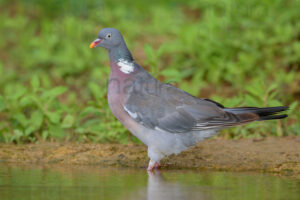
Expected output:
(162, 106)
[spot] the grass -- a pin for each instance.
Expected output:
(53, 87)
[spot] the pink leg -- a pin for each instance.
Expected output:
(153, 165)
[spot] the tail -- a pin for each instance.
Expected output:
(263, 113)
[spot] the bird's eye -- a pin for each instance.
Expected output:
(108, 35)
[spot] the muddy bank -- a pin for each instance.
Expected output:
(268, 155)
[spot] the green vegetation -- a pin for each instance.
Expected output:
(53, 87)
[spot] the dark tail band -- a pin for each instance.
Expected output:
(263, 113)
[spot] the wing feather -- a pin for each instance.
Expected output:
(163, 106)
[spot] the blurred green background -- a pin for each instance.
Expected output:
(53, 87)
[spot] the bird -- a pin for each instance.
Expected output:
(165, 118)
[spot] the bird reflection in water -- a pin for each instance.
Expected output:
(159, 188)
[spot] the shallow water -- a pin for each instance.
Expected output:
(54, 182)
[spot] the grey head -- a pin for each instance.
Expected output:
(108, 38)
(112, 40)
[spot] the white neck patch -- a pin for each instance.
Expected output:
(125, 66)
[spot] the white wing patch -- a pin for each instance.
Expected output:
(159, 129)
(125, 66)
(131, 114)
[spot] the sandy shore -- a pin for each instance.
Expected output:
(281, 155)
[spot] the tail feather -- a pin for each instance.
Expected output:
(272, 117)
(263, 113)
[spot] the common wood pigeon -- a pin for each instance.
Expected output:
(165, 118)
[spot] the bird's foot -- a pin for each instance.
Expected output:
(151, 168)
(153, 165)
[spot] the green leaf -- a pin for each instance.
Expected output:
(35, 83)
(36, 119)
(2, 103)
(172, 75)
(254, 91)
(149, 52)
(68, 121)
(272, 87)
(57, 131)
(292, 107)
(15, 91)
(95, 90)
(21, 118)
(53, 117)
(250, 100)
(29, 130)
(54, 92)
(90, 110)
(17, 134)
(45, 134)
(26, 101)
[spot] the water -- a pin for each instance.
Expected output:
(53, 182)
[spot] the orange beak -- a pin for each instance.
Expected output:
(95, 43)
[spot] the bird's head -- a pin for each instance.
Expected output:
(108, 38)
